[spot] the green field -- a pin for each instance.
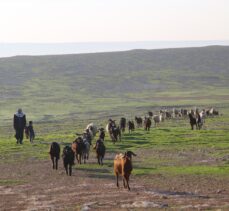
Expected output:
(168, 149)
(50, 88)
(62, 94)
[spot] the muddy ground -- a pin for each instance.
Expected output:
(35, 186)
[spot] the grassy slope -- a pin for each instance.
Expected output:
(56, 87)
(171, 149)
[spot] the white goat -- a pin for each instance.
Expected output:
(157, 119)
(92, 129)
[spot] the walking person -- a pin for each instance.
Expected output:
(19, 125)
(31, 132)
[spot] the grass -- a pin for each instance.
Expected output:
(11, 182)
(80, 86)
(172, 148)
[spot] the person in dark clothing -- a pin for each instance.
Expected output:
(31, 132)
(19, 125)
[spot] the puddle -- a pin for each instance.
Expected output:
(175, 194)
(86, 206)
(144, 204)
(198, 206)
(5, 190)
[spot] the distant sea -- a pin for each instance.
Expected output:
(15, 49)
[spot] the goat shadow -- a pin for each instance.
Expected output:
(164, 129)
(133, 133)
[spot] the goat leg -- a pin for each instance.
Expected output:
(56, 163)
(127, 181)
(77, 158)
(66, 168)
(124, 183)
(80, 158)
(53, 162)
(70, 170)
(117, 180)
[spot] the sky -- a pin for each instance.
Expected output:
(113, 20)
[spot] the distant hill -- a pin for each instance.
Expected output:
(76, 83)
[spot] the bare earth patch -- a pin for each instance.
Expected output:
(45, 189)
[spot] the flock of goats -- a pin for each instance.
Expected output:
(80, 148)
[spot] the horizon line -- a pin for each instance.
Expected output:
(44, 49)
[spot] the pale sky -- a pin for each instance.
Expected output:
(113, 20)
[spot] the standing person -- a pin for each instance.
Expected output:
(19, 125)
(31, 132)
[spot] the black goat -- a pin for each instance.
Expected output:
(68, 159)
(54, 152)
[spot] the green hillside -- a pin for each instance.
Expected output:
(87, 85)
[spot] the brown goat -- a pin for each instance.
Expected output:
(123, 166)
(78, 147)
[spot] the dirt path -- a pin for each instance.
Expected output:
(41, 188)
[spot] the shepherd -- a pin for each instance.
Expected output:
(19, 125)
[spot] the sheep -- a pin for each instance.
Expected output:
(54, 152)
(202, 114)
(157, 119)
(123, 166)
(107, 128)
(68, 159)
(212, 112)
(92, 129)
(100, 151)
(167, 114)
